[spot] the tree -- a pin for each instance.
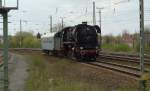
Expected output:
(27, 39)
(108, 39)
(38, 35)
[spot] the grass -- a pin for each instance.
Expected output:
(124, 48)
(117, 48)
(60, 74)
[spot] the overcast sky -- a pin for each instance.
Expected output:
(116, 16)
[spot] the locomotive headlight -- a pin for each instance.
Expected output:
(81, 48)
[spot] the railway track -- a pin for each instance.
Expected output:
(124, 57)
(131, 71)
(123, 66)
(125, 54)
(125, 69)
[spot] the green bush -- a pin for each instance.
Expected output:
(122, 48)
(146, 48)
(117, 48)
(1, 45)
(107, 47)
(137, 48)
(28, 40)
(31, 42)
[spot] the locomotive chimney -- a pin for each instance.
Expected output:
(85, 23)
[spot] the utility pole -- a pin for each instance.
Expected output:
(62, 22)
(141, 5)
(21, 29)
(4, 3)
(20, 33)
(51, 24)
(100, 16)
(5, 33)
(0, 3)
(100, 25)
(5, 80)
(94, 14)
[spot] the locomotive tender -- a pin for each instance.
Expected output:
(80, 42)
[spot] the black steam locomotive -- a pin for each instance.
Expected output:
(80, 42)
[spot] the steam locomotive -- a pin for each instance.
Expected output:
(80, 42)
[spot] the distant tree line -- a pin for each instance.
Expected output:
(125, 43)
(23, 40)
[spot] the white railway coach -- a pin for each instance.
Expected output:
(50, 43)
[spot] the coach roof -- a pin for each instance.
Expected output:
(48, 35)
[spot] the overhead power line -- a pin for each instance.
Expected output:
(122, 1)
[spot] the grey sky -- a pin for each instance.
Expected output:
(37, 12)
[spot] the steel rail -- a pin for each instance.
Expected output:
(126, 70)
(123, 66)
(123, 58)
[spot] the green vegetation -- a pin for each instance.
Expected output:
(27, 39)
(117, 48)
(64, 75)
(125, 43)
